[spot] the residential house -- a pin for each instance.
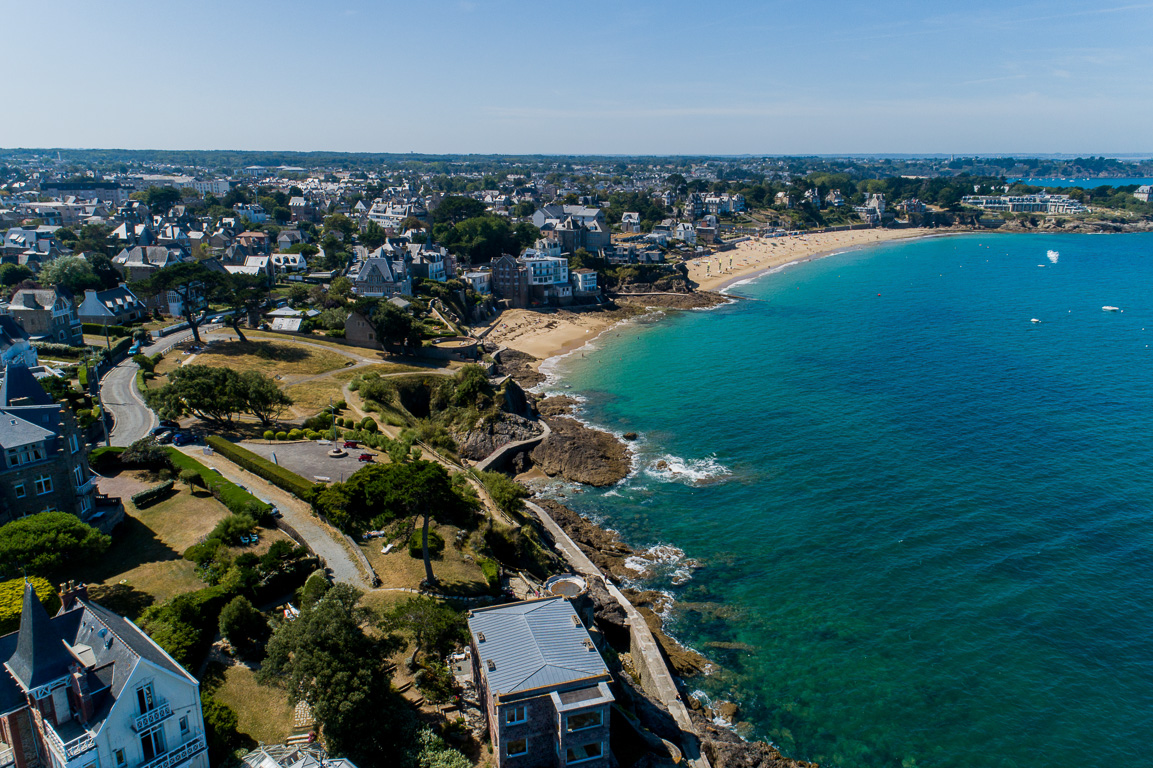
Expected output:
(430, 262)
(288, 238)
(630, 222)
(112, 306)
(45, 466)
(15, 345)
(510, 280)
(382, 274)
(301, 209)
(142, 261)
(47, 314)
(912, 205)
(584, 281)
(542, 684)
(835, 198)
(813, 197)
(360, 331)
(289, 262)
(784, 200)
(255, 242)
(479, 280)
(1144, 193)
(254, 212)
(686, 233)
(574, 226)
(89, 688)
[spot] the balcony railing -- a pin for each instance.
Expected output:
(86, 486)
(7, 756)
(153, 716)
(183, 753)
(69, 750)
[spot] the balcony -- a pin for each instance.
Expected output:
(7, 756)
(157, 714)
(72, 748)
(181, 754)
(86, 487)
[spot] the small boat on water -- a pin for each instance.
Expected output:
(1108, 308)
(1034, 320)
(1053, 256)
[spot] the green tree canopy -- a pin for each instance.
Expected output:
(192, 281)
(435, 626)
(48, 542)
(457, 208)
(326, 658)
(71, 272)
(214, 394)
(242, 625)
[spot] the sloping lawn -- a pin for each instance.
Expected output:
(273, 358)
(264, 712)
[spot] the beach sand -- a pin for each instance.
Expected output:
(547, 334)
(757, 255)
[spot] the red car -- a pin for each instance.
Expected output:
(351, 444)
(365, 457)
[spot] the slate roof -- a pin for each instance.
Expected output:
(41, 655)
(15, 432)
(20, 387)
(534, 644)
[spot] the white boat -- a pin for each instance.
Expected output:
(1053, 256)
(1034, 320)
(1107, 308)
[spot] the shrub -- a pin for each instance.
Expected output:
(46, 542)
(491, 573)
(282, 435)
(311, 434)
(435, 543)
(243, 625)
(295, 434)
(96, 329)
(12, 600)
(104, 458)
(368, 424)
(262, 467)
(154, 494)
(318, 422)
(144, 361)
(146, 453)
(184, 626)
(191, 477)
(269, 434)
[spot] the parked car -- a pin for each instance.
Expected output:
(276, 513)
(160, 430)
(170, 424)
(165, 438)
(134, 349)
(351, 444)
(183, 438)
(365, 457)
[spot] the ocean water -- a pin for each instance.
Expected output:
(1083, 183)
(917, 528)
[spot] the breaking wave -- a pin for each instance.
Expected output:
(674, 469)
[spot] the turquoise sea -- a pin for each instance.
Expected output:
(923, 524)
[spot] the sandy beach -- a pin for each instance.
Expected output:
(550, 333)
(719, 270)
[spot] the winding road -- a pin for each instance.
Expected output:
(132, 419)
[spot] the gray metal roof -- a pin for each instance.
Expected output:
(533, 644)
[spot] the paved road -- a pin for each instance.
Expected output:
(324, 543)
(132, 418)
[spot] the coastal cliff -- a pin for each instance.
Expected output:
(581, 454)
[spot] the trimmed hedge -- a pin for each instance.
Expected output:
(152, 495)
(262, 467)
(59, 350)
(120, 348)
(238, 500)
(12, 600)
(96, 329)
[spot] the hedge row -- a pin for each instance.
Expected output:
(238, 500)
(262, 467)
(12, 600)
(152, 495)
(120, 348)
(59, 350)
(96, 329)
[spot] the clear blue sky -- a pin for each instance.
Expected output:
(622, 76)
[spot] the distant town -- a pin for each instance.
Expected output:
(271, 435)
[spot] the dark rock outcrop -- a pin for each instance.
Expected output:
(725, 749)
(603, 547)
(488, 435)
(581, 454)
(557, 405)
(519, 365)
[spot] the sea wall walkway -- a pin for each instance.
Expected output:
(656, 679)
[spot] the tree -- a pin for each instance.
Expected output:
(247, 295)
(261, 397)
(506, 493)
(71, 272)
(11, 274)
(340, 288)
(48, 542)
(12, 600)
(242, 625)
(373, 236)
(160, 199)
(338, 222)
(395, 326)
(457, 208)
(215, 394)
(220, 729)
(435, 626)
(191, 281)
(326, 658)
(190, 477)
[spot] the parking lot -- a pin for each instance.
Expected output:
(310, 460)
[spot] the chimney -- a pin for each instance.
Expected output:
(70, 592)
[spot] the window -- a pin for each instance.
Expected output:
(153, 744)
(73, 443)
(516, 714)
(516, 747)
(579, 722)
(583, 752)
(78, 473)
(184, 725)
(121, 761)
(145, 698)
(43, 485)
(20, 490)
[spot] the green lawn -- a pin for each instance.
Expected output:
(265, 713)
(453, 571)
